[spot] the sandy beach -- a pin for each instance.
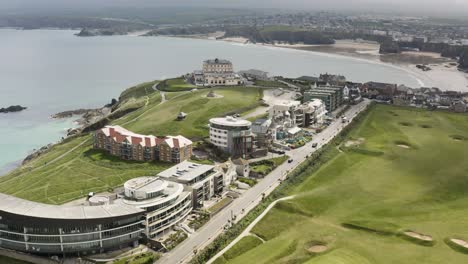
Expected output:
(443, 74)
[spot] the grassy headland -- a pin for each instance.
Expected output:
(72, 168)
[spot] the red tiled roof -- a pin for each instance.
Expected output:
(147, 141)
(176, 142)
(119, 138)
(136, 140)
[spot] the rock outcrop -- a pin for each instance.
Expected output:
(13, 108)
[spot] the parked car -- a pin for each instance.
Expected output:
(290, 160)
(314, 145)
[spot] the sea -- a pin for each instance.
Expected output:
(49, 71)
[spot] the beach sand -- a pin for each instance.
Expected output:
(443, 74)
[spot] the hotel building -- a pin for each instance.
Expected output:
(217, 72)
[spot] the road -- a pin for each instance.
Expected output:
(247, 201)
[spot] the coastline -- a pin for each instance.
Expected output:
(358, 50)
(443, 74)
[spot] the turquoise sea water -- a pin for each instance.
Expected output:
(52, 70)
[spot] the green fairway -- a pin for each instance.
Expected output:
(245, 244)
(400, 169)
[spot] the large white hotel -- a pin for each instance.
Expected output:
(217, 72)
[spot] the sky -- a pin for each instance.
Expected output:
(415, 6)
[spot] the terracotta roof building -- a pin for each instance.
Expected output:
(125, 144)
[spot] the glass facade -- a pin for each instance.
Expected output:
(56, 236)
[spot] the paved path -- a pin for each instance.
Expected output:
(246, 232)
(242, 205)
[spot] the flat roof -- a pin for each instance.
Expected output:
(230, 121)
(146, 184)
(185, 171)
(18, 206)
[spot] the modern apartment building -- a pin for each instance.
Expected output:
(332, 96)
(232, 135)
(165, 203)
(125, 144)
(205, 181)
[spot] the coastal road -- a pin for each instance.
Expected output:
(248, 200)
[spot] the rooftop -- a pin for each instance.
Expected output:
(18, 206)
(217, 61)
(230, 121)
(186, 171)
(121, 134)
(146, 184)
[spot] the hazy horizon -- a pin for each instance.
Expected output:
(421, 7)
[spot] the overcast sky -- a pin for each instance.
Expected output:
(417, 6)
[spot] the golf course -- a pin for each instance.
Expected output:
(71, 169)
(392, 192)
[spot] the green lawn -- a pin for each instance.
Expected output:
(176, 85)
(74, 176)
(266, 166)
(220, 205)
(245, 244)
(273, 84)
(161, 119)
(138, 91)
(422, 188)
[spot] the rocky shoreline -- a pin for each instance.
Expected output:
(86, 117)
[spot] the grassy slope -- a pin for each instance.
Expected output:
(245, 244)
(422, 189)
(84, 170)
(161, 119)
(176, 85)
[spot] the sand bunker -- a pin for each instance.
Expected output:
(460, 242)
(403, 146)
(407, 124)
(458, 137)
(418, 236)
(351, 143)
(317, 248)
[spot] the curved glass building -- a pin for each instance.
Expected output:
(51, 229)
